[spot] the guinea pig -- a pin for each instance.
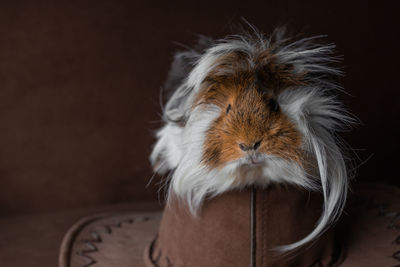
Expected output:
(253, 110)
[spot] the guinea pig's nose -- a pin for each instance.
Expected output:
(253, 146)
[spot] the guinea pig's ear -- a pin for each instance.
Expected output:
(177, 91)
(180, 69)
(175, 88)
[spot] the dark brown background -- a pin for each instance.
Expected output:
(80, 80)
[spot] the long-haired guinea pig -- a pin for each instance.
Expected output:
(253, 110)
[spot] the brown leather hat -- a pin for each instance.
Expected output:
(243, 229)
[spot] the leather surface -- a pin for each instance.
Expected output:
(222, 231)
(218, 236)
(370, 227)
(109, 240)
(368, 234)
(285, 215)
(34, 240)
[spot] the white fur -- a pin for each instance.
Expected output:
(316, 114)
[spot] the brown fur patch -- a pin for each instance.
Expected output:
(275, 76)
(250, 119)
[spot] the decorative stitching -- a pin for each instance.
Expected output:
(393, 224)
(108, 229)
(396, 255)
(91, 260)
(96, 238)
(92, 248)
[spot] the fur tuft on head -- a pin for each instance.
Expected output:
(250, 110)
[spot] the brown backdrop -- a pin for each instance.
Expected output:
(80, 80)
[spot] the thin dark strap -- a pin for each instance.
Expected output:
(253, 228)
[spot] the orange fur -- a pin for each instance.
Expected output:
(248, 91)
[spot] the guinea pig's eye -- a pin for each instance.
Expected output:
(228, 108)
(273, 105)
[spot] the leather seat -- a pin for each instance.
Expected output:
(35, 240)
(109, 239)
